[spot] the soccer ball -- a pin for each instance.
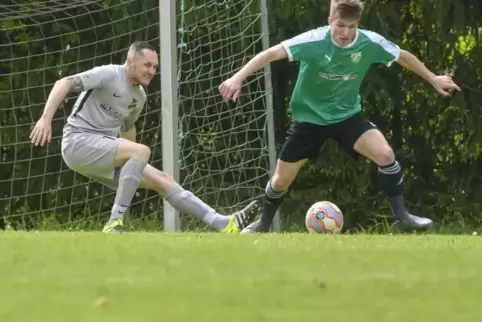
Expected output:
(324, 217)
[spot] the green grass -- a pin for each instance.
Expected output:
(214, 277)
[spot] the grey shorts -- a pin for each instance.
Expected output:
(92, 155)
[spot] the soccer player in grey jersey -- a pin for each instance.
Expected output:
(99, 139)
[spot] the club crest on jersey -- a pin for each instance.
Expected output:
(133, 104)
(355, 57)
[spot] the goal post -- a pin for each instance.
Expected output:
(226, 150)
(223, 153)
(170, 110)
(269, 104)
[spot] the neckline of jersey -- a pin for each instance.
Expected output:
(347, 46)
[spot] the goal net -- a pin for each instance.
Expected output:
(223, 148)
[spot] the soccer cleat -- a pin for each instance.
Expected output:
(240, 219)
(116, 226)
(411, 222)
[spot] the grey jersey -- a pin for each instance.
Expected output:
(107, 104)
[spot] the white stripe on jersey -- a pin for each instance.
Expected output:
(306, 37)
(388, 46)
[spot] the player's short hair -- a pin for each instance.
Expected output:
(136, 49)
(346, 9)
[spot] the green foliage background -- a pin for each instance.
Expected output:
(436, 140)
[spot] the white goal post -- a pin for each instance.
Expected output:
(174, 13)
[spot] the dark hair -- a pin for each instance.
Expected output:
(347, 9)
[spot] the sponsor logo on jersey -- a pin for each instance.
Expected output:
(344, 77)
(111, 112)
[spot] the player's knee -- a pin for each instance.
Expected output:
(282, 181)
(384, 156)
(141, 152)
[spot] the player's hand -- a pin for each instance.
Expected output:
(41, 133)
(230, 89)
(444, 85)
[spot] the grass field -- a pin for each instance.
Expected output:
(215, 277)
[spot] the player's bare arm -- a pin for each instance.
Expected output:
(42, 132)
(231, 87)
(444, 85)
(58, 93)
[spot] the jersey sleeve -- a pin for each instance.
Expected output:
(305, 46)
(97, 76)
(385, 51)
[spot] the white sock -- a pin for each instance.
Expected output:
(117, 212)
(187, 203)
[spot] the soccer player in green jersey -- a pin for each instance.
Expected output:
(326, 104)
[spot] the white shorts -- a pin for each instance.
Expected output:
(92, 155)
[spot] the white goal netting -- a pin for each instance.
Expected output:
(223, 148)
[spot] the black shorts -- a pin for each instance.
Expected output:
(305, 140)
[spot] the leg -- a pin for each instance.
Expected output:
(303, 142)
(374, 146)
(276, 190)
(98, 156)
(186, 202)
(359, 136)
(131, 158)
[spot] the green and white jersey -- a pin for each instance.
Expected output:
(328, 85)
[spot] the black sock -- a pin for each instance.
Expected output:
(392, 185)
(271, 202)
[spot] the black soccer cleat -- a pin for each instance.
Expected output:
(241, 219)
(411, 222)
